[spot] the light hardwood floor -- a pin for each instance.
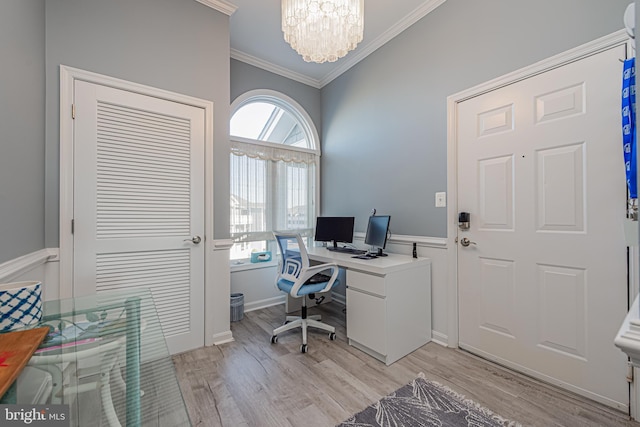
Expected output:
(251, 382)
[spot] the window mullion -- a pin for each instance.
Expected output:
(279, 192)
(272, 196)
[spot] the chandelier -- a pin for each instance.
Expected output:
(323, 30)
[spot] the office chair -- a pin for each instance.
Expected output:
(299, 279)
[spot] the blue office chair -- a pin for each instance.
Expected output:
(299, 279)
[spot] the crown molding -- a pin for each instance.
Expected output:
(220, 5)
(364, 51)
(276, 69)
(350, 60)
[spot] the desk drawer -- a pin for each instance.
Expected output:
(366, 320)
(366, 282)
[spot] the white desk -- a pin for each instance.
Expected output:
(388, 302)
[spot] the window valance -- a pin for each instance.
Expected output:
(273, 153)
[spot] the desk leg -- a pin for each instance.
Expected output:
(132, 306)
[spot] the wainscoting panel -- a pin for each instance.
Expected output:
(41, 265)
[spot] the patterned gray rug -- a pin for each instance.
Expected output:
(424, 403)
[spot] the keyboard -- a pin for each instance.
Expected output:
(365, 256)
(345, 250)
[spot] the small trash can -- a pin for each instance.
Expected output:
(237, 307)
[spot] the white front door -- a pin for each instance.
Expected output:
(543, 286)
(138, 201)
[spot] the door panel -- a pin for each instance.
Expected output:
(138, 200)
(562, 310)
(540, 169)
(497, 296)
(560, 188)
(495, 193)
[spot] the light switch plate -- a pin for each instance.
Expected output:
(441, 199)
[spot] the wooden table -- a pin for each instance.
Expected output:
(16, 349)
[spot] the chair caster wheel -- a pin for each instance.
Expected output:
(332, 336)
(303, 348)
(274, 339)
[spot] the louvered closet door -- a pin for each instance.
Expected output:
(138, 200)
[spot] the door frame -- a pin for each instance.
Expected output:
(68, 76)
(604, 43)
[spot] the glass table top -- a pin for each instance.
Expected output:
(106, 358)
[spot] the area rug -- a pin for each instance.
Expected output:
(424, 403)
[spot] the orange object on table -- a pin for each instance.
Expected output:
(16, 349)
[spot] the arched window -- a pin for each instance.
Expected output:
(274, 170)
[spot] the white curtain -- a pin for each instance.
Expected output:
(272, 188)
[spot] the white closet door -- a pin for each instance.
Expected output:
(139, 202)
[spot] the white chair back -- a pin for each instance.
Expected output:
(294, 255)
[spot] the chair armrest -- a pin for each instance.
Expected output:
(312, 271)
(315, 269)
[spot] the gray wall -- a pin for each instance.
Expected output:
(385, 120)
(21, 127)
(245, 77)
(176, 45)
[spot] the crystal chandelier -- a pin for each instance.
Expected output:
(323, 30)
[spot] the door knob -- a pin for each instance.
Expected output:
(466, 242)
(194, 240)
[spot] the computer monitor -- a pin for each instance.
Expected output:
(377, 231)
(334, 229)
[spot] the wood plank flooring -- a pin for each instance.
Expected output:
(251, 382)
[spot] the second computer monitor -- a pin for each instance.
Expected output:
(334, 229)
(377, 231)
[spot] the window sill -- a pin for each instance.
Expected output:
(243, 265)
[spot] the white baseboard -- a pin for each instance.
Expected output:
(339, 298)
(222, 338)
(440, 338)
(257, 305)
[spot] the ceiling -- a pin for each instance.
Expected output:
(256, 37)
